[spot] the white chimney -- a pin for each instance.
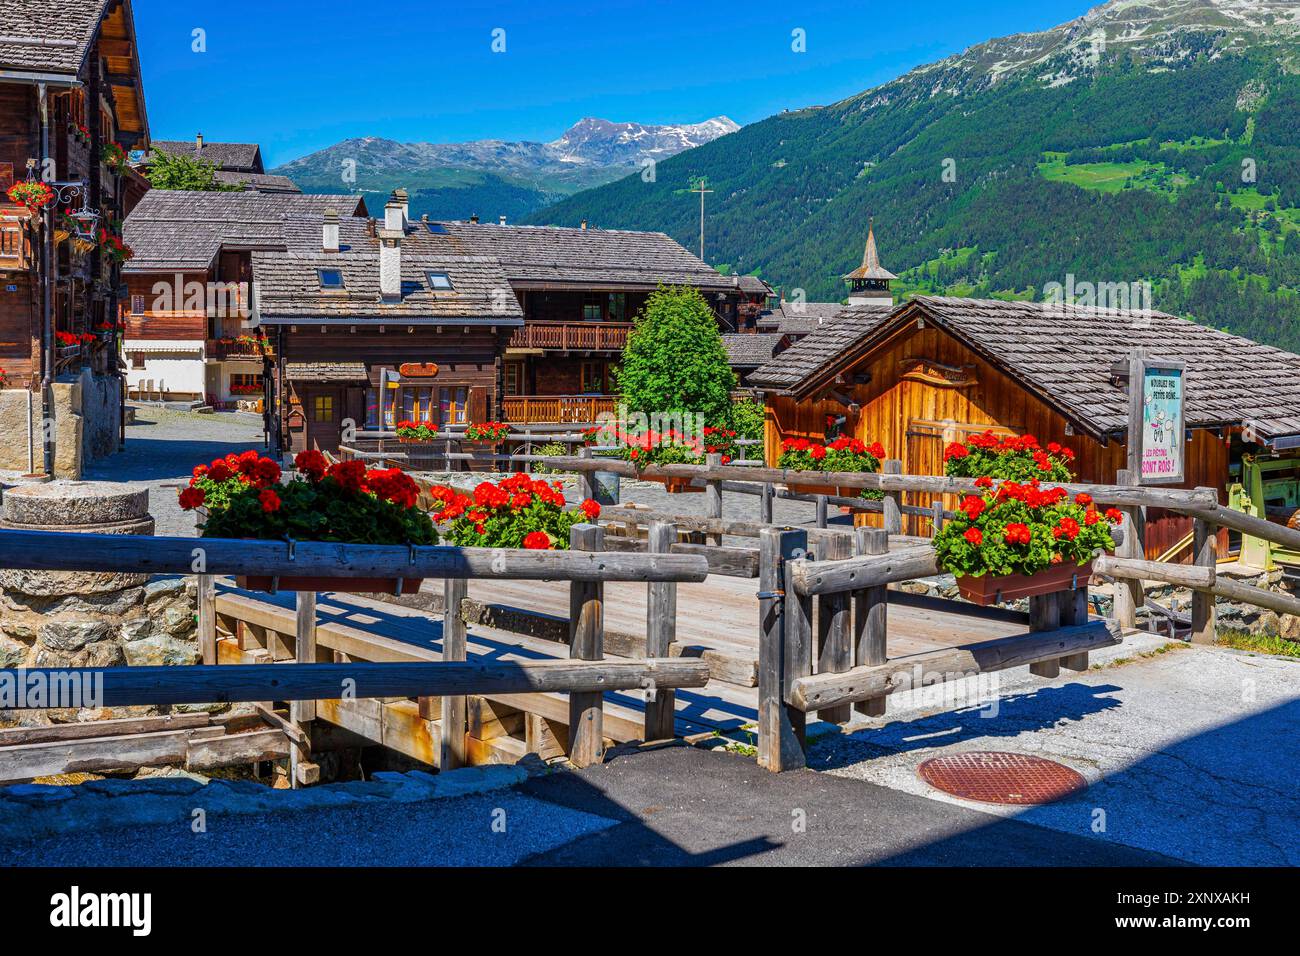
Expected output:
(405, 200)
(584, 225)
(501, 221)
(330, 231)
(390, 252)
(198, 141)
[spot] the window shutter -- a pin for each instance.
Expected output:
(478, 405)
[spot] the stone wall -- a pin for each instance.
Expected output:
(91, 618)
(87, 416)
(14, 431)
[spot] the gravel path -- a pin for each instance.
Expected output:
(162, 448)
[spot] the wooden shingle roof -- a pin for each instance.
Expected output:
(751, 349)
(541, 255)
(177, 230)
(48, 36)
(289, 289)
(257, 182)
(234, 157)
(798, 318)
(1064, 354)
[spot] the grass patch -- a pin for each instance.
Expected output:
(1260, 643)
(1144, 656)
(1113, 177)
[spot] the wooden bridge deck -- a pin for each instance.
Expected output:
(717, 620)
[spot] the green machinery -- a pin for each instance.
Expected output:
(1266, 487)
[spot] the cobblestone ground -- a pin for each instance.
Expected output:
(162, 448)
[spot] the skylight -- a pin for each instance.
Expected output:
(330, 278)
(439, 281)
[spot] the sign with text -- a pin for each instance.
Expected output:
(418, 370)
(1157, 418)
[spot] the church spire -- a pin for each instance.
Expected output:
(869, 283)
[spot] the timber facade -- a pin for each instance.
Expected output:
(69, 87)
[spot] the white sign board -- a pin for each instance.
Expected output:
(1156, 418)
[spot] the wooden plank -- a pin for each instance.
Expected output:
(863, 683)
(235, 749)
(827, 577)
(202, 683)
(453, 649)
(1074, 611)
(1129, 594)
(487, 719)
(871, 618)
(661, 632)
(1135, 569)
(100, 728)
(734, 562)
(586, 642)
(893, 513)
(66, 551)
(834, 630)
(1203, 614)
(93, 754)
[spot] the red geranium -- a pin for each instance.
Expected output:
(537, 541)
(974, 536)
(269, 500)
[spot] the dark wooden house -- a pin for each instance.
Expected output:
(375, 322)
(69, 86)
(935, 370)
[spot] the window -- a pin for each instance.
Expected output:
(245, 383)
(452, 404)
(618, 306)
(137, 360)
(137, 305)
(330, 278)
(323, 408)
(591, 308)
(372, 407)
(513, 376)
(593, 378)
(439, 281)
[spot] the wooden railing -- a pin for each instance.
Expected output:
(575, 336)
(218, 349)
(15, 249)
(556, 409)
(585, 677)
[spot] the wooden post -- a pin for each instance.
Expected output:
(586, 480)
(765, 503)
(660, 632)
(207, 618)
(452, 748)
(893, 512)
(1129, 595)
(302, 712)
(1074, 612)
(870, 613)
(587, 643)
(1045, 615)
(834, 628)
(713, 495)
(821, 511)
(1203, 615)
(936, 522)
(780, 727)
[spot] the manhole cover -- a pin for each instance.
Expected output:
(992, 777)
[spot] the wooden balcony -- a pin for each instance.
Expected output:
(226, 349)
(572, 336)
(17, 252)
(165, 325)
(556, 409)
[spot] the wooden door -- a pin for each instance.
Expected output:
(324, 410)
(926, 441)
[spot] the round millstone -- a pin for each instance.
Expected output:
(78, 507)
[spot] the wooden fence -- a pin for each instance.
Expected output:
(585, 677)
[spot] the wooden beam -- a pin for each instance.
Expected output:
(1045, 617)
(780, 728)
(1135, 569)
(870, 618)
(207, 625)
(202, 683)
(453, 649)
(835, 630)
(850, 574)
(64, 551)
(661, 631)
(862, 683)
(93, 754)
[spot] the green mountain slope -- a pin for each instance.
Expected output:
(1170, 154)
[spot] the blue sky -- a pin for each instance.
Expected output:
(297, 76)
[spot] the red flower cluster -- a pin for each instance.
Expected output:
(214, 483)
(1016, 457)
(312, 464)
(510, 513)
(393, 484)
(1018, 533)
(537, 541)
(270, 500)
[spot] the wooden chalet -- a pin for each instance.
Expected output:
(69, 85)
(936, 370)
(579, 290)
(187, 328)
(237, 164)
(376, 322)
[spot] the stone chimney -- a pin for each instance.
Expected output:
(198, 141)
(404, 198)
(501, 221)
(390, 251)
(330, 231)
(474, 218)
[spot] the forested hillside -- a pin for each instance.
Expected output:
(1182, 169)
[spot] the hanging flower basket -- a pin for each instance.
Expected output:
(31, 193)
(244, 497)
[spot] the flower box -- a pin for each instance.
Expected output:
(989, 589)
(262, 582)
